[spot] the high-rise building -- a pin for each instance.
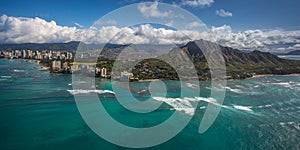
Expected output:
(103, 73)
(50, 55)
(65, 65)
(69, 55)
(39, 56)
(30, 55)
(126, 76)
(56, 65)
(24, 54)
(75, 67)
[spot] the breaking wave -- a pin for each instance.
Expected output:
(245, 108)
(186, 105)
(265, 106)
(90, 91)
(179, 104)
(5, 76)
(190, 85)
(234, 90)
(16, 70)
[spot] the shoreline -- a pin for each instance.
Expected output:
(148, 80)
(43, 67)
(263, 75)
(46, 68)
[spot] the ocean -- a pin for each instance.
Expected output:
(38, 111)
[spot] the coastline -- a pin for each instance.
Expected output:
(148, 80)
(47, 68)
(42, 66)
(263, 75)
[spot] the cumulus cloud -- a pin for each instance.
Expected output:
(294, 47)
(252, 39)
(223, 13)
(297, 45)
(170, 24)
(152, 10)
(194, 24)
(37, 30)
(197, 3)
(19, 30)
(78, 25)
(107, 22)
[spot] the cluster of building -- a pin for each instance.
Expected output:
(90, 70)
(101, 72)
(127, 76)
(37, 55)
(61, 62)
(60, 67)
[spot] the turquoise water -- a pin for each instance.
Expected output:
(38, 112)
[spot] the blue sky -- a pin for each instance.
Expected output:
(242, 24)
(247, 14)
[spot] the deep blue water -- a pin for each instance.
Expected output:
(38, 111)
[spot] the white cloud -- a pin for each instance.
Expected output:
(170, 24)
(152, 10)
(37, 30)
(294, 47)
(197, 3)
(223, 13)
(252, 39)
(107, 22)
(297, 45)
(78, 25)
(20, 30)
(281, 49)
(194, 24)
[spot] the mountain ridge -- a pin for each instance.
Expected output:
(244, 64)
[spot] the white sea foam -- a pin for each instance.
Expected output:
(202, 107)
(227, 88)
(79, 82)
(245, 108)
(190, 85)
(265, 106)
(291, 123)
(142, 91)
(185, 104)
(90, 91)
(16, 70)
(290, 85)
(284, 84)
(281, 83)
(208, 100)
(240, 86)
(234, 90)
(5, 76)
